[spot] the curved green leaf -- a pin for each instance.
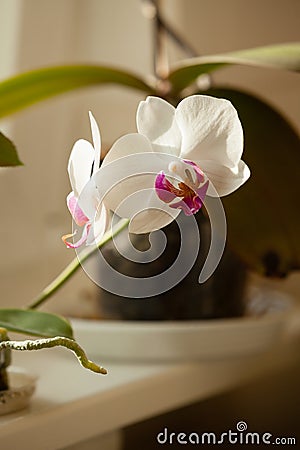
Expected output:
(31, 87)
(8, 153)
(35, 323)
(284, 56)
(263, 216)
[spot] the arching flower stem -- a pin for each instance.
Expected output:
(74, 265)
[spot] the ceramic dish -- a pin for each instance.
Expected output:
(184, 340)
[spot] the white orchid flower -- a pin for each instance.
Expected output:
(178, 156)
(83, 201)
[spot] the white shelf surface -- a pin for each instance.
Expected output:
(72, 404)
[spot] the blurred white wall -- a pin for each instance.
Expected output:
(9, 25)
(36, 33)
(42, 33)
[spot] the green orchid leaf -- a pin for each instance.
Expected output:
(35, 323)
(31, 87)
(284, 56)
(8, 153)
(263, 216)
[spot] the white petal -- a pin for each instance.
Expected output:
(223, 179)
(211, 130)
(80, 165)
(142, 205)
(156, 119)
(98, 227)
(121, 197)
(128, 145)
(146, 211)
(96, 141)
(150, 220)
(89, 199)
(123, 177)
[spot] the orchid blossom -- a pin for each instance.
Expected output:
(182, 154)
(83, 202)
(178, 156)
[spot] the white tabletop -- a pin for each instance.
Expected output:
(72, 404)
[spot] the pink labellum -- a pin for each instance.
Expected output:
(189, 191)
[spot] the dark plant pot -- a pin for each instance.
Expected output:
(222, 295)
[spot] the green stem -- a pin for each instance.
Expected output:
(74, 265)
